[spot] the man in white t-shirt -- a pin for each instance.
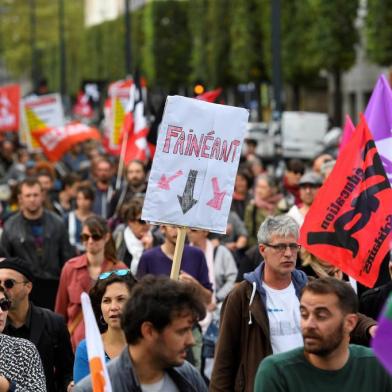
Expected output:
(261, 315)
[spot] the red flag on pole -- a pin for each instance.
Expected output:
(349, 224)
(135, 129)
(9, 108)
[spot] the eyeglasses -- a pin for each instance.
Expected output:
(141, 221)
(86, 237)
(5, 304)
(282, 247)
(121, 272)
(10, 283)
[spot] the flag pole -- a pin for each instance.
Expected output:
(175, 271)
(125, 138)
(121, 161)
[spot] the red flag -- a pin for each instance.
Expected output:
(55, 142)
(349, 224)
(135, 128)
(210, 96)
(9, 108)
(348, 131)
(83, 107)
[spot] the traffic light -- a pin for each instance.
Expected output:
(198, 89)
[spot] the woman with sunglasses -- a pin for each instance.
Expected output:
(80, 273)
(20, 364)
(108, 297)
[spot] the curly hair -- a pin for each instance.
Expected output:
(159, 300)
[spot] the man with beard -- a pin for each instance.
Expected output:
(157, 322)
(261, 316)
(135, 185)
(327, 362)
(40, 237)
(103, 173)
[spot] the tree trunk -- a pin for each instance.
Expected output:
(337, 101)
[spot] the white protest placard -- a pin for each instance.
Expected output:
(41, 112)
(195, 164)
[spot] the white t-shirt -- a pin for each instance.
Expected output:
(165, 384)
(297, 215)
(284, 318)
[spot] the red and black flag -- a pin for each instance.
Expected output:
(349, 224)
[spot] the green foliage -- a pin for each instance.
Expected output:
(174, 43)
(198, 28)
(335, 34)
(218, 43)
(300, 62)
(166, 50)
(379, 31)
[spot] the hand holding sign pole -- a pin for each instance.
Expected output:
(194, 168)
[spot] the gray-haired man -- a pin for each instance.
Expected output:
(261, 315)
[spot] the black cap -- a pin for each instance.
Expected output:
(17, 264)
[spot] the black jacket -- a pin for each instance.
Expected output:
(372, 301)
(17, 240)
(49, 334)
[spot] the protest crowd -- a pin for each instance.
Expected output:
(252, 309)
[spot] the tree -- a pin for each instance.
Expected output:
(379, 31)
(300, 60)
(335, 38)
(166, 55)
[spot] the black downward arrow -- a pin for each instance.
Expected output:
(186, 200)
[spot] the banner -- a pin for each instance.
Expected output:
(348, 131)
(9, 108)
(195, 164)
(119, 96)
(382, 342)
(349, 224)
(55, 142)
(96, 354)
(135, 129)
(379, 117)
(39, 113)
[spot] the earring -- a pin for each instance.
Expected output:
(102, 320)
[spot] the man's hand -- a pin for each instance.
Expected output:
(372, 330)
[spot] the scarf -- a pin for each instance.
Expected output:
(135, 248)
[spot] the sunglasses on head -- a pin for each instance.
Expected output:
(10, 283)
(94, 237)
(120, 272)
(5, 304)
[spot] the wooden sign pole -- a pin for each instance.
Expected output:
(175, 271)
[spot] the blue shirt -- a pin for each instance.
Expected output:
(81, 365)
